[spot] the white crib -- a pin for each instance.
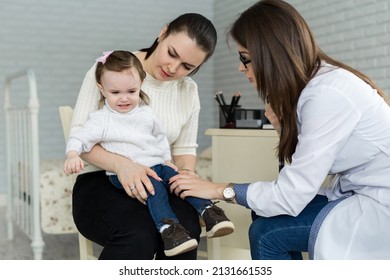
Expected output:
(22, 144)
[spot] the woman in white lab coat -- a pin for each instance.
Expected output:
(332, 120)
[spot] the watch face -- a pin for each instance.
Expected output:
(228, 193)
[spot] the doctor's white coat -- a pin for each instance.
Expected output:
(344, 130)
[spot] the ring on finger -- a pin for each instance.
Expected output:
(132, 188)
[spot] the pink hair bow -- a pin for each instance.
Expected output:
(103, 58)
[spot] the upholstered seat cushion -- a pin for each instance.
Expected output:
(56, 198)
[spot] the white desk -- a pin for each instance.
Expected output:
(240, 156)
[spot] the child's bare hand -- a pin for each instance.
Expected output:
(73, 164)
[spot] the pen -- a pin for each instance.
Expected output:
(222, 107)
(237, 97)
(231, 108)
(221, 97)
(233, 105)
(218, 100)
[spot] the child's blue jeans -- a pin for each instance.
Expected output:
(158, 203)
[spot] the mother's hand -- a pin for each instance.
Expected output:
(185, 185)
(134, 179)
(133, 176)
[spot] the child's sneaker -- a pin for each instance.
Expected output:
(217, 224)
(177, 239)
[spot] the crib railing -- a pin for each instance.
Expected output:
(23, 199)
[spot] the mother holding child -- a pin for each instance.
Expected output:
(117, 218)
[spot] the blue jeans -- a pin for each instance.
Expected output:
(158, 205)
(283, 237)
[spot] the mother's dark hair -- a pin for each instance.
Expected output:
(284, 58)
(197, 27)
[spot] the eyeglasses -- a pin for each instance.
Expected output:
(244, 60)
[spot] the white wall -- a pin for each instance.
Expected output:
(60, 40)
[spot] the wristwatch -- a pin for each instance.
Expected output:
(229, 193)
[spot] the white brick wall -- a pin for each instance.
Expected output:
(356, 32)
(59, 40)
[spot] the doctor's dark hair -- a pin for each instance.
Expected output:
(285, 56)
(119, 61)
(197, 27)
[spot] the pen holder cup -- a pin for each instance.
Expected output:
(243, 118)
(228, 116)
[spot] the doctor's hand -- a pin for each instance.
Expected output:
(185, 185)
